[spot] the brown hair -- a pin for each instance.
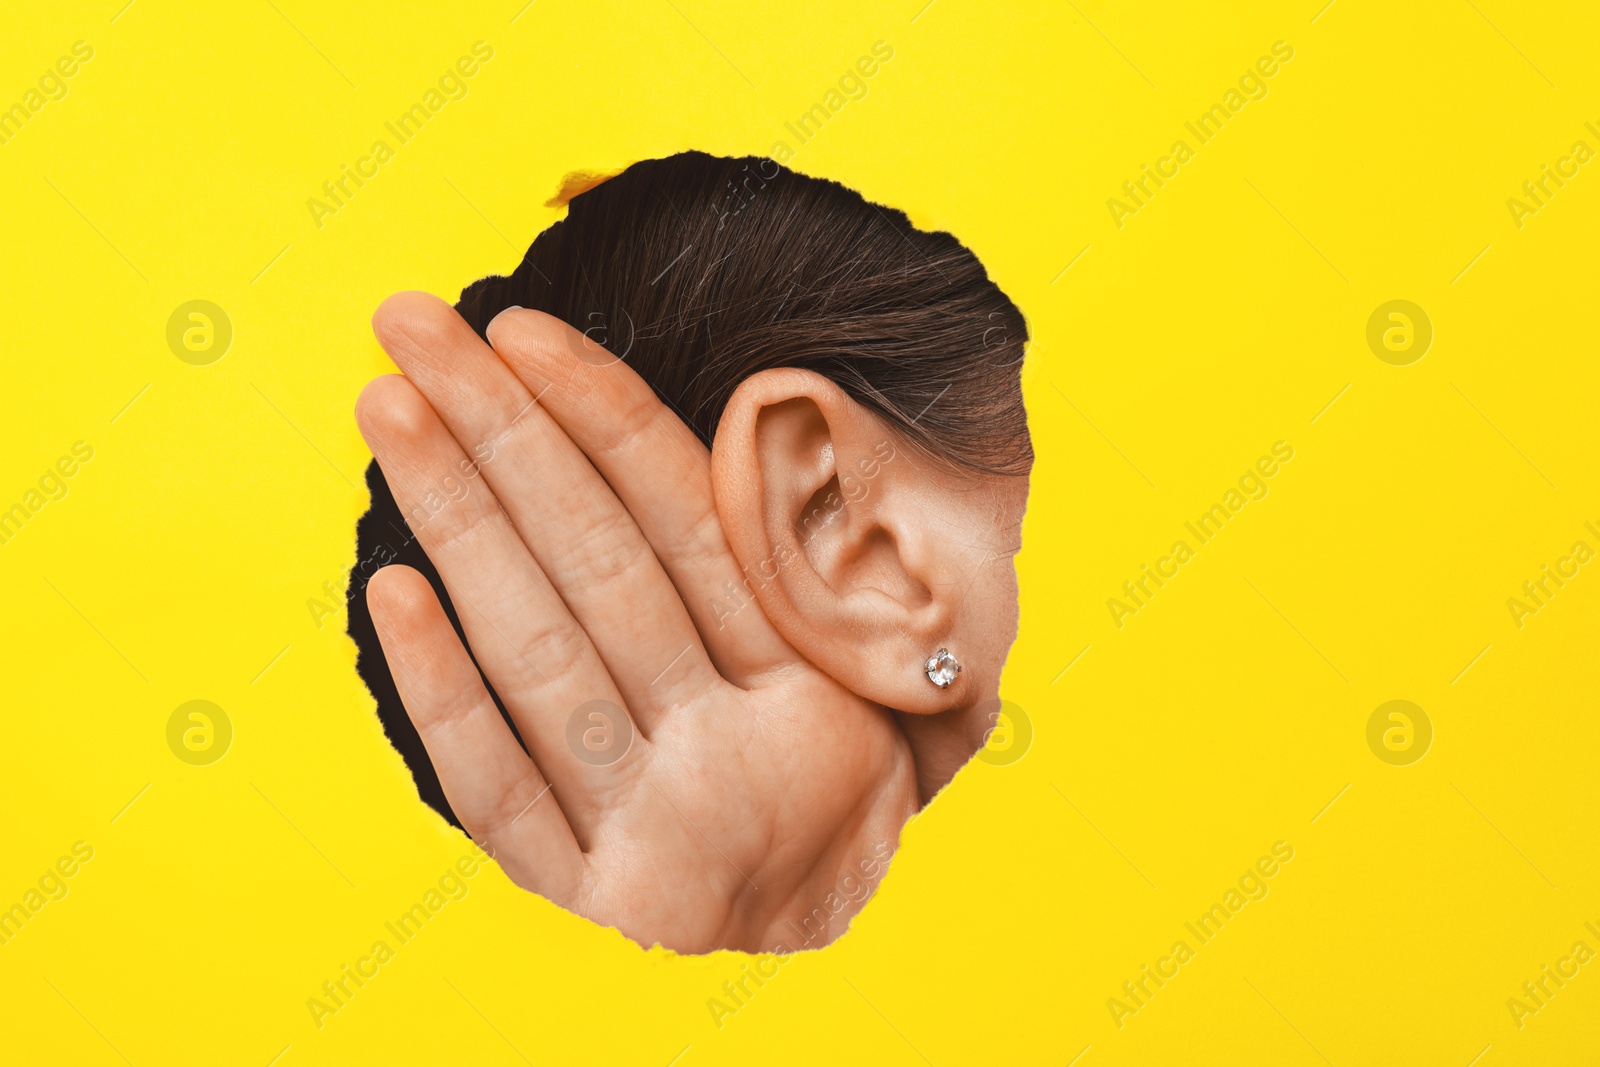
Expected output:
(698, 271)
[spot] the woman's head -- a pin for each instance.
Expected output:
(701, 271)
(858, 383)
(806, 334)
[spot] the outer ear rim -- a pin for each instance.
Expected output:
(737, 483)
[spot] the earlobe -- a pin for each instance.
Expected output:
(843, 541)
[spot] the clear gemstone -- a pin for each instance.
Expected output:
(942, 668)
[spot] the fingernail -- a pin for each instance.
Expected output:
(497, 314)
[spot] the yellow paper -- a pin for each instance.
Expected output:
(1185, 328)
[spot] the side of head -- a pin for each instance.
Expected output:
(858, 382)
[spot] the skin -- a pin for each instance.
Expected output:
(602, 553)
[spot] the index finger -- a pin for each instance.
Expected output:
(659, 470)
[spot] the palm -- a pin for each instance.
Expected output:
(742, 818)
(578, 539)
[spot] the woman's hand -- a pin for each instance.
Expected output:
(758, 800)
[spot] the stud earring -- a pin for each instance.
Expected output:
(941, 668)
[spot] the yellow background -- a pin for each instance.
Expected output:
(1228, 714)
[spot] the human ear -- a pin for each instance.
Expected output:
(867, 555)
